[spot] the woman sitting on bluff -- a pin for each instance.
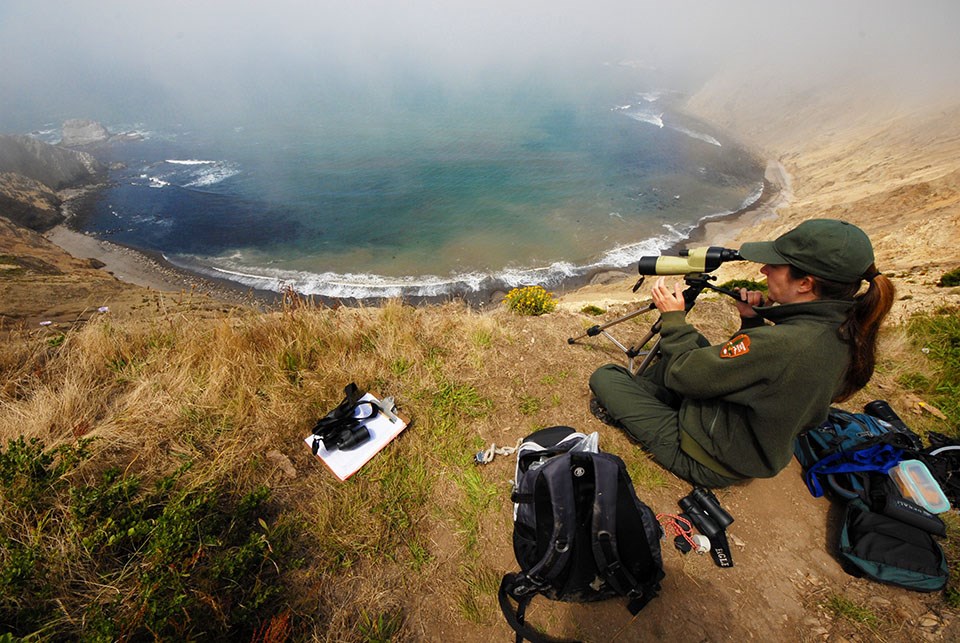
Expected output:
(714, 415)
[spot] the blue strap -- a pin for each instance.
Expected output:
(879, 457)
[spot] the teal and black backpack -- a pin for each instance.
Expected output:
(835, 453)
(881, 548)
(884, 536)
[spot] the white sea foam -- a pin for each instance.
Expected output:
(361, 286)
(214, 174)
(697, 135)
(647, 117)
(626, 254)
(753, 197)
(644, 115)
(189, 173)
(51, 136)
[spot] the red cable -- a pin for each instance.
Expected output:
(674, 522)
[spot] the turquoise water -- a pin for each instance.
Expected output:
(424, 189)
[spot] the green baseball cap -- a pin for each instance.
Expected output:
(826, 248)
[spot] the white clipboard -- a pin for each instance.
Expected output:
(345, 463)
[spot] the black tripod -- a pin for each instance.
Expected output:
(696, 284)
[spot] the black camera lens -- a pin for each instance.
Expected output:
(352, 438)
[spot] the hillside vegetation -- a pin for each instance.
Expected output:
(155, 482)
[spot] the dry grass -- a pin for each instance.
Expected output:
(222, 393)
(419, 533)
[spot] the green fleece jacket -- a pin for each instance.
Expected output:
(745, 401)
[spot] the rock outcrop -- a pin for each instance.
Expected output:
(28, 202)
(31, 173)
(79, 132)
(52, 165)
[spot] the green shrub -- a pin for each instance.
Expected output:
(187, 561)
(749, 284)
(590, 309)
(951, 278)
(530, 300)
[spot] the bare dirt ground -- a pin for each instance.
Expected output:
(785, 575)
(40, 282)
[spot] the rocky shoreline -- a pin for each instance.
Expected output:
(152, 270)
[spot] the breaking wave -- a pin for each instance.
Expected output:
(697, 135)
(644, 114)
(373, 286)
(646, 117)
(189, 173)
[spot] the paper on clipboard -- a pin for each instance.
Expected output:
(345, 463)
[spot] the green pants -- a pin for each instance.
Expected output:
(649, 413)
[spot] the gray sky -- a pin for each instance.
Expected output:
(62, 56)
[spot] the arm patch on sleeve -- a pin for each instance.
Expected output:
(739, 345)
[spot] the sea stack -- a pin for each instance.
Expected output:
(78, 132)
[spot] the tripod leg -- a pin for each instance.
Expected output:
(593, 331)
(647, 360)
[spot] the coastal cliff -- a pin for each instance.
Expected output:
(31, 174)
(885, 162)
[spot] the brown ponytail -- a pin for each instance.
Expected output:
(862, 326)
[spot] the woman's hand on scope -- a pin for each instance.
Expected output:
(749, 299)
(665, 299)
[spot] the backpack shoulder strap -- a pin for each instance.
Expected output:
(554, 479)
(516, 619)
(555, 474)
(604, 536)
(873, 457)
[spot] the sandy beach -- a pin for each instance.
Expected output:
(148, 270)
(123, 263)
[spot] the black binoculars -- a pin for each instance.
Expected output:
(345, 426)
(344, 439)
(705, 512)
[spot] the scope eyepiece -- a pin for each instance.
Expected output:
(689, 261)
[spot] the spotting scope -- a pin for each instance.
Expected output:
(689, 261)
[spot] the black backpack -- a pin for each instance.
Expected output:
(580, 533)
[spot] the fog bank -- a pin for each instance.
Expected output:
(103, 58)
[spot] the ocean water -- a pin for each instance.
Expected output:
(422, 191)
